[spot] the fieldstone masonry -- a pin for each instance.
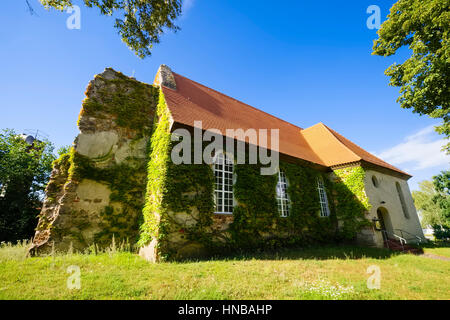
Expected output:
(78, 211)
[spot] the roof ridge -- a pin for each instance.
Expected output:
(331, 132)
(364, 150)
(340, 142)
(227, 96)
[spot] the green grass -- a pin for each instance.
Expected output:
(311, 273)
(438, 248)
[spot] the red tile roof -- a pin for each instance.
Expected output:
(192, 101)
(334, 149)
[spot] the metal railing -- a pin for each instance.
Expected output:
(386, 239)
(402, 232)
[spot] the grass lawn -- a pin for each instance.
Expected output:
(311, 273)
(442, 250)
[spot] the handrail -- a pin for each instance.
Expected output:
(417, 237)
(401, 239)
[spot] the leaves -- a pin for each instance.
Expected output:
(442, 198)
(24, 172)
(423, 26)
(433, 200)
(423, 200)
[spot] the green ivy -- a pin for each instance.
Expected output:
(55, 185)
(257, 222)
(174, 204)
(131, 106)
(172, 190)
(131, 103)
(352, 202)
(255, 218)
(127, 184)
(152, 226)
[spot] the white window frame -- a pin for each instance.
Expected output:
(223, 171)
(324, 207)
(282, 196)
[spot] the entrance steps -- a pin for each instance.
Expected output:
(396, 245)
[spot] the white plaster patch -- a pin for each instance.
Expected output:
(92, 196)
(134, 149)
(96, 145)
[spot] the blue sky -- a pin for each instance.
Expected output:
(303, 61)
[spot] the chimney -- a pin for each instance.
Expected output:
(164, 77)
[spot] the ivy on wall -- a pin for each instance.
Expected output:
(257, 222)
(179, 200)
(154, 199)
(154, 220)
(55, 187)
(256, 214)
(305, 222)
(131, 104)
(56, 184)
(121, 104)
(129, 101)
(127, 184)
(179, 205)
(352, 202)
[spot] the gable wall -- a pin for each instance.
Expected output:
(96, 191)
(387, 192)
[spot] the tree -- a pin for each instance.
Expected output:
(433, 201)
(25, 168)
(424, 202)
(140, 23)
(423, 26)
(442, 198)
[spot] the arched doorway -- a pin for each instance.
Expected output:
(385, 222)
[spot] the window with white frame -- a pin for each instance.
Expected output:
(324, 209)
(223, 190)
(282, 197)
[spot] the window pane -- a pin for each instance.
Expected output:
(324, 209)
(223, 171)
(281, 194)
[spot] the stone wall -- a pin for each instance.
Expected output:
(97, 190)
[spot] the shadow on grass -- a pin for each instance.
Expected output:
(325, 252)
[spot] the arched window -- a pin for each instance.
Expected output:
(282, 197)
(223, 190)
(402, 200)
(324, 209)
(375, 181)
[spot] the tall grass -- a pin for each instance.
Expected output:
(19, 251)
(14, 252)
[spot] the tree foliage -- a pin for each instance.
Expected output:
(442, 198)
(423, 200)
(24, 172)
(140, 23)
(423, 26)
(433, 201)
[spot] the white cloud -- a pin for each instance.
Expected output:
(187, 4)
(421, 150)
